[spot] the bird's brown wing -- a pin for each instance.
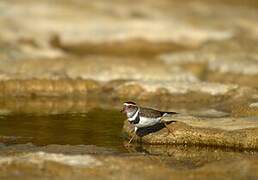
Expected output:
(151, 113)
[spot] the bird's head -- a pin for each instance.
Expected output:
(129, 108)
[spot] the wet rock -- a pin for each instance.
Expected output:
(97, 68)
(13, 139)
(234, 63)
(38, 165)
(182, 87)
(41, 158)
(16, 149)
(135, 47)
(222, 63)
(254, 105)
(245, 80)
(34, 88)
(189, 157)
(66, 95)
(239, 133)
(4, 111)
(216, 66)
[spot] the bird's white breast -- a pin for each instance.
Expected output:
(145, 122)
(134, 116)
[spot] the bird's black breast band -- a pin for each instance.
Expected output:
(137, 119)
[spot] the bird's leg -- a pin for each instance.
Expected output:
(132, 130)
(128, 144)
(131, 139)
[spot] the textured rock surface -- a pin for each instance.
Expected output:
(41, 158)
(240, 133)
(177, 163)
(117, 168)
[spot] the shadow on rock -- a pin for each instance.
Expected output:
(151, 129)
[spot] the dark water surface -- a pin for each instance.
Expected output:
(98, 127)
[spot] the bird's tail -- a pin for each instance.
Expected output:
(169, 113)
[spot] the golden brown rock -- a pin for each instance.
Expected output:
(214, 132)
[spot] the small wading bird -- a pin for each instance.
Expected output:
(142, 117)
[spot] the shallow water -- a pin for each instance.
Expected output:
(100, 127)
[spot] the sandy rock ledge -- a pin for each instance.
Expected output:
(239, 133)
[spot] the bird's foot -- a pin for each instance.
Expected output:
(127, 145)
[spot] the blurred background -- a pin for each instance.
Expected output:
(66, 66)
(177, 54)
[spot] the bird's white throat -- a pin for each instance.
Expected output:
(132, 118)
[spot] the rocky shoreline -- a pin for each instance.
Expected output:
(65, 162)
(66, 68)
(223, 133)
